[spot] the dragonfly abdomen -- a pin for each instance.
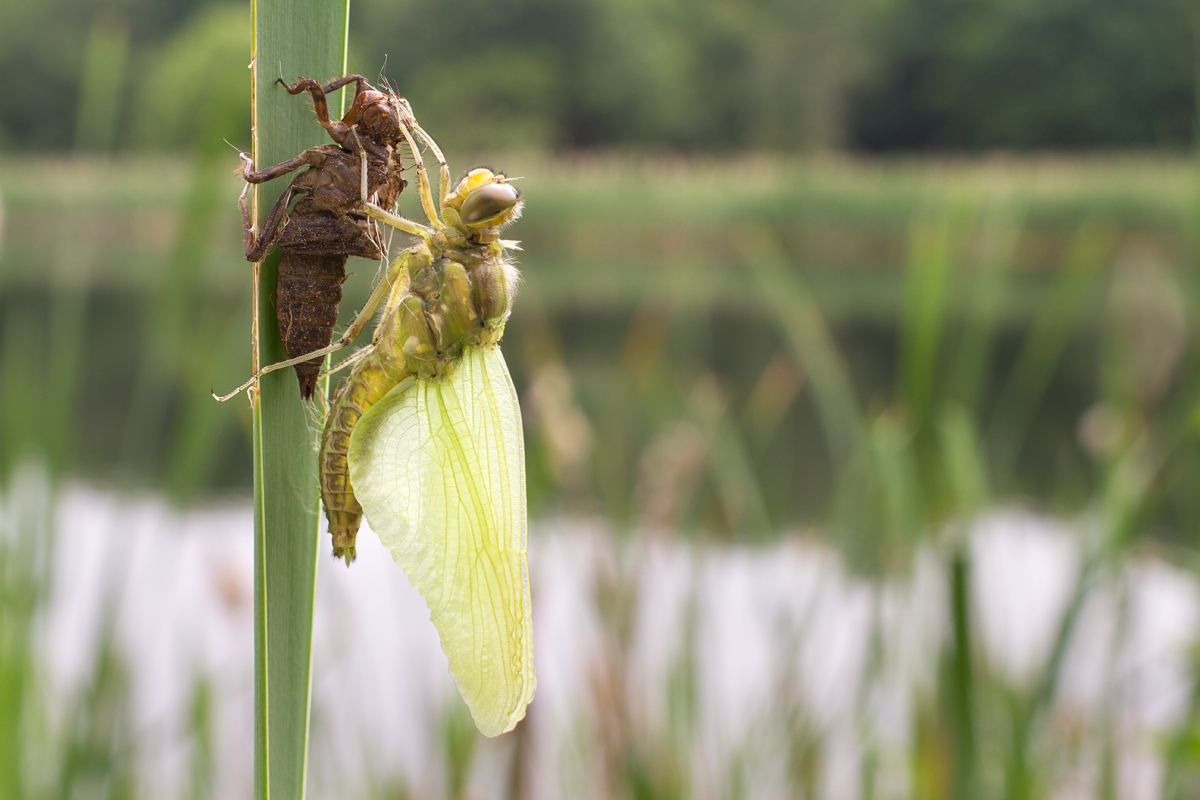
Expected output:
(366, 386)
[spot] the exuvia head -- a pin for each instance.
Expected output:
(484, 200)
(377, 115)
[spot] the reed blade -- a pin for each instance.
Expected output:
(291, 39)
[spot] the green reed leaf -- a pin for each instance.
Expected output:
(291, 39)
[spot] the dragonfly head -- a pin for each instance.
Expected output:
(484, 199)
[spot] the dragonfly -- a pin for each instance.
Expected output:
(424, 437)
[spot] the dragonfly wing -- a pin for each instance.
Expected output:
(439, 469)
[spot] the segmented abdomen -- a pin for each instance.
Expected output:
(312, 269)
(366, 386)
(306, 303)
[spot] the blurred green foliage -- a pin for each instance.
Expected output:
(973, 74)
(44, 55)
(198, 74)
(714, 74)
(702, 76)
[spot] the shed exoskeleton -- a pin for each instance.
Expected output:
(327, 224)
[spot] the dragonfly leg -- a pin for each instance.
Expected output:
(257, 248)
(338, 130)
(347, 79)
(445, 168)
(407, 125)
(347, 362)
(362, 171)
(270, 173)
(396, 221)
(291, 362)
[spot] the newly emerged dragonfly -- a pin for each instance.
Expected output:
(425, 436)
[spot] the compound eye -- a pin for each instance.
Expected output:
(483, 207)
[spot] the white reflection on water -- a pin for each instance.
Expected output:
(774, 639)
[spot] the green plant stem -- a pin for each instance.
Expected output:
(291, 39)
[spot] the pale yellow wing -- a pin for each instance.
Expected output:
(439, 469)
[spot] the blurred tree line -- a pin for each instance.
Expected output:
(969, 74)
(685, 75)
